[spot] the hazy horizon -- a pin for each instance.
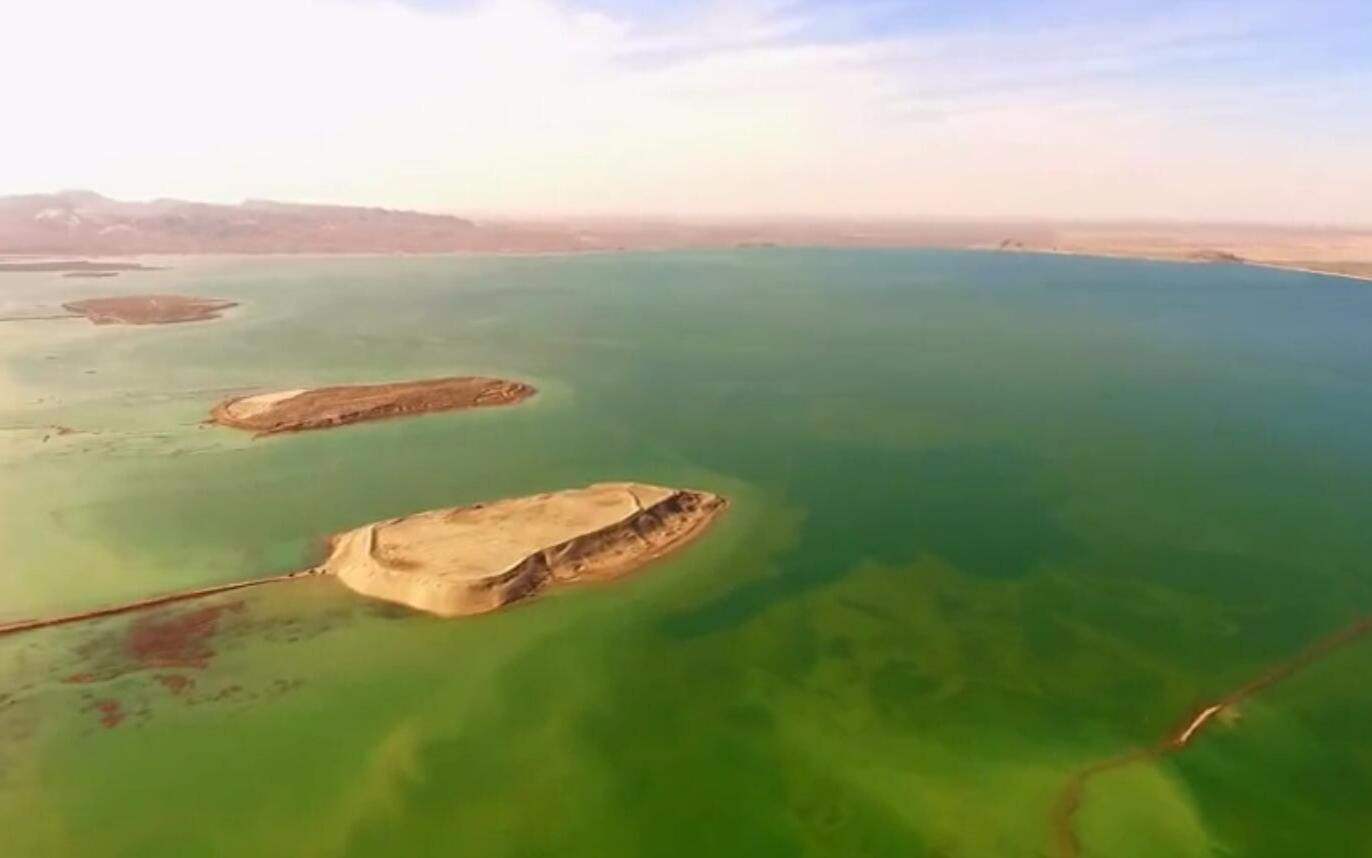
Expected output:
(1060, 111)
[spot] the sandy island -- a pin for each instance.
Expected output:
(474, 559)
(325, 407)
(148, 309)
(73, 267)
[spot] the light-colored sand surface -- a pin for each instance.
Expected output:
(252, 406)
(470, 560)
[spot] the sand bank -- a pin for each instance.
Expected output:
(324, 407)
(78, 267)
(148, 309)
(474, 559)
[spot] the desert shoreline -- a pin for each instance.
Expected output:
(230, 256)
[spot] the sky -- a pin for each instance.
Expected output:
(1258, 110)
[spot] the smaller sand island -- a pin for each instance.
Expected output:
(325, 407)
(73, 267)
(148, 309)
(474, 559)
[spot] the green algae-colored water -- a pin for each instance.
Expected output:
(996, 517)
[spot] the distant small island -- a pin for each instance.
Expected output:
(148, 309)
(478, 558)
(325, 407)
(75, 267)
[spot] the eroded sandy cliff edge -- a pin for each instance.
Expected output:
(474, 559)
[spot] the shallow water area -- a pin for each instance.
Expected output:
(993, 518)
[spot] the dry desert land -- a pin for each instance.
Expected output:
(71, 223)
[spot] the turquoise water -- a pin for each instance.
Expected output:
(995, 517)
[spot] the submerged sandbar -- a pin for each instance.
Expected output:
(474, 559)
(325, 407)
(148, 309)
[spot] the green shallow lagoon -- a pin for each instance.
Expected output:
(995, 517)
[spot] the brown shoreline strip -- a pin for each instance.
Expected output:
(153, 602)
(1069, 800)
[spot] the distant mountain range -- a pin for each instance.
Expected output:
(84, 223)
(88, 223)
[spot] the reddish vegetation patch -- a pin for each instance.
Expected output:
(111, 711)
(166, 639)
(133, 666)
(179, 640)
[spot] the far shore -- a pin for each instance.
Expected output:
(1298, 267)
(115, 230)
(1140, 257)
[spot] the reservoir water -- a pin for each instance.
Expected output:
(995, 518)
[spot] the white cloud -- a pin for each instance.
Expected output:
(535, 106)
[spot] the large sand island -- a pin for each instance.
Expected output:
(474, 559)
(148, 309)
(324, 407)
